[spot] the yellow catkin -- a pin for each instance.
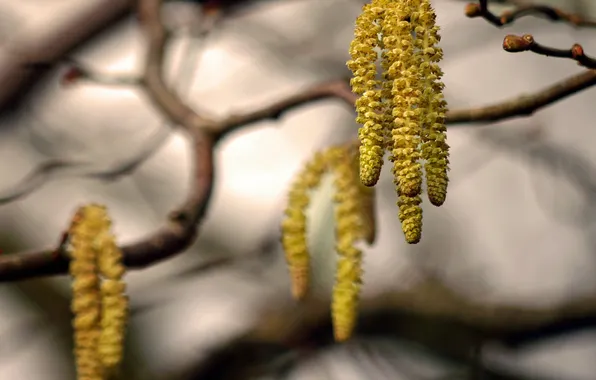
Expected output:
(294, 225)
(365, 83)
(114, 310)
(435, 150)
(405, 110)
(86, 296)
(406, 92)
(367, 198)
(349, 230)
(410, 215)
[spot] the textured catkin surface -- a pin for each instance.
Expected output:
(513, 213)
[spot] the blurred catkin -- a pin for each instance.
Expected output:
(294, 225)
(99, 308)
(354, 219)
(86, 302)
(351, 215)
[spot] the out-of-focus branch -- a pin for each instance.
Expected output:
(480, 9)
(524, 105)
(516, 44)
(181, 227)
(66, 168)
(406, 315)
(21, 55)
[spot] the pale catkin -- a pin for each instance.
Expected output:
(86, 299)
(350, 228)
(294, 225)
(100, 307)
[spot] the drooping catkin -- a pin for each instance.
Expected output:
(411, 109)
(410, 215)
(295, 223)
(86, 301)
(100, 307)
(435, 150)
(406, 93)
(351, 216)
(114, 307)
(354, 218)
(365, 83)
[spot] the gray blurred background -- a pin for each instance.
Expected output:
(517, 226)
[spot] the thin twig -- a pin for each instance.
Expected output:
(62, 168)
(480, 9)
(23, 58)
(516, 44)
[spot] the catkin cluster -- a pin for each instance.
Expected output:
(354, 222)
(403, 110)
(99, 304)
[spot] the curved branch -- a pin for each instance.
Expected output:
(182, 226)
(23, 58)
(524, 105)
(65, 168)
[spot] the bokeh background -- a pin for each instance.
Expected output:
(517, 227)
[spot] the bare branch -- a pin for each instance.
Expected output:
(524, 105)
(516, 44)
(58, 168)
(182, 225)
(480, 9)
(405, 315)
(21, 61)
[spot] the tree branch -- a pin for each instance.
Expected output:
(405, 315)
(524, 105)
(480, 9)
(22, 57)
(516, 44)
(182, 225)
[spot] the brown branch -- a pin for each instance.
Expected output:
(480, 9)
(524, 105)
(53, 168)
(22, 57)
(182, 225)
(516, 44)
